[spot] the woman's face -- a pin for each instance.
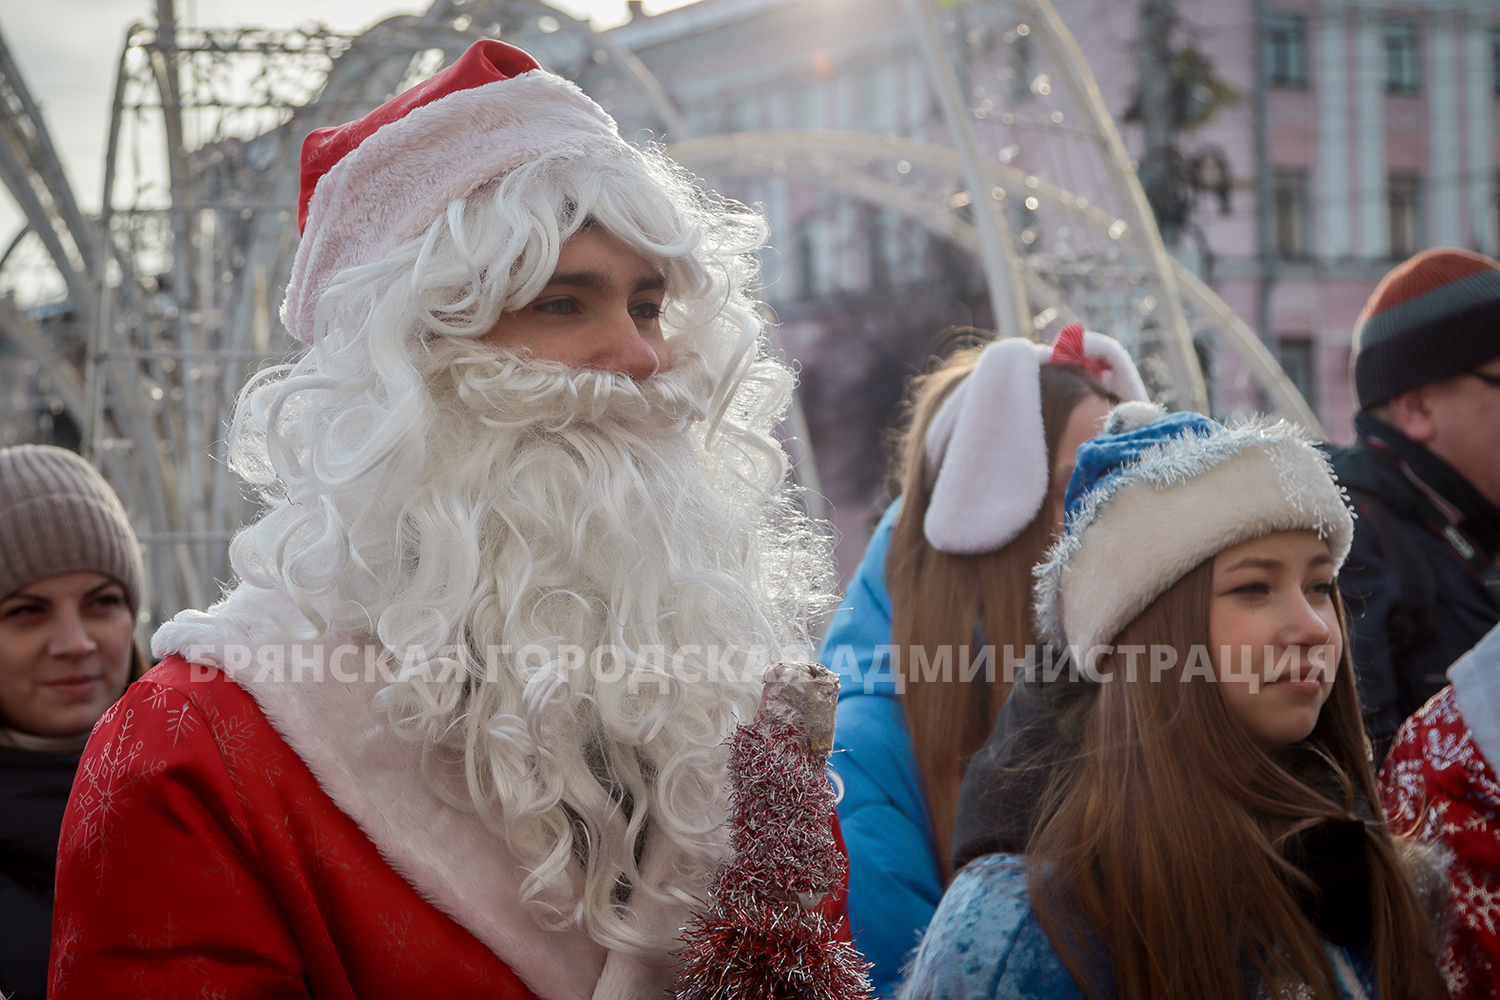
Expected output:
(65, 644)
(1084, 423)
(1275, 595)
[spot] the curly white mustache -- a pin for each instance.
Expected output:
(556, 510)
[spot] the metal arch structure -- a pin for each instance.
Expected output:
(1068, 60)
(997, 244)
(838, 161)
(61, 373)
(171, 292)
(31, 170)
(997, 252)
(30, 167)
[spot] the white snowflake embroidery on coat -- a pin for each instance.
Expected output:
(1438, 787)
(65, 938)
(158, 698)
(404, 949)
(181, 721)
(1479, 901)
(101, 794)
(242, 752)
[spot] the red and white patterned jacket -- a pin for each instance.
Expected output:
(1438, 786)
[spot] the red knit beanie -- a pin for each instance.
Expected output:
(1432, 317)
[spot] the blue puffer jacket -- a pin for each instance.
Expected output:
(894, 880)
(985, 941)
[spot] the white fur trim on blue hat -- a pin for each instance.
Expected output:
(1180, 503)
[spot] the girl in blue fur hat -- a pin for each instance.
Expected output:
(1210, 831)
(983, 468)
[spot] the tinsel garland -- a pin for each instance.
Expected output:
(764, 937)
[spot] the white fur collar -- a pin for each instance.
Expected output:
(1476, 688)
(374, 777)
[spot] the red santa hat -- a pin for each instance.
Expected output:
(372, 184)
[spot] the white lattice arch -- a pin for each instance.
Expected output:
(838, 161)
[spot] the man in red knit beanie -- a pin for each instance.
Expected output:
(1422, 581)
(458, 730)
(1424, 477)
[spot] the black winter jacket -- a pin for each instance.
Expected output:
(34, 790)
(1415, 605)
(1006, 780)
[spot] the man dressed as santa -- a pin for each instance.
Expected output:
(529, 541)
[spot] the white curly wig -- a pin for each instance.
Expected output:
(431, 490)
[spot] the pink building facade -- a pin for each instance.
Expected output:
(1381, 137)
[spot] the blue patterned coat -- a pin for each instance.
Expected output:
(985, 941)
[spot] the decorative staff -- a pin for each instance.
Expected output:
(766, 936)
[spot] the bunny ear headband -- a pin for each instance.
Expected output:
(986, 447)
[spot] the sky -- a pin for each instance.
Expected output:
(68, 51)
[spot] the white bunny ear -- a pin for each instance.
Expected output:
(991, 464)
(1122, 378)
(940, 431)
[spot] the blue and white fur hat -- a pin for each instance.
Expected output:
(1157, 494)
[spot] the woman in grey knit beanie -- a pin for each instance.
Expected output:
(70, 584)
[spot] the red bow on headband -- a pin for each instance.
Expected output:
(1067, 349)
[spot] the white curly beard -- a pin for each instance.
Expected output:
(595, 575)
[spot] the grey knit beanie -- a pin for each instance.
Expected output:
(58, 515)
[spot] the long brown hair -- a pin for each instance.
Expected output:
(1165, 837)
(937, 599)
(139, 662)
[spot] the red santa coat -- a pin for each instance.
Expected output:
(200, 858)
(1438, 785)
(265, 834)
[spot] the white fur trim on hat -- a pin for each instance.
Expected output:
(1182, 502)
(403, 177)
(987, 448)
(1132, 414)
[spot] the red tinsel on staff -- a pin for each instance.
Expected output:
(764, 937)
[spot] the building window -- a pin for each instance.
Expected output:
(1293, 225)
(807, 106)
(1296, 357)
(1019, 69)
(1403, 57)
(811, 263)
(1404, 193)
(1484, 242)
(744, 113)
(1495, 60)
(1285, 51)
(881, 99)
